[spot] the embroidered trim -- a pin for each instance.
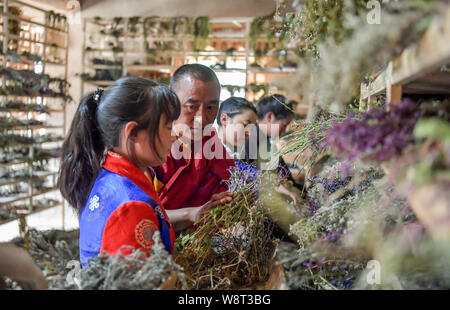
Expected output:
(159, 213)
(114, 154)
(94, 203)
(144, 232)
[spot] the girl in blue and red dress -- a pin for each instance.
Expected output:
(114, 137)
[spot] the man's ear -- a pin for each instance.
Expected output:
(128, 131)
(224, 118)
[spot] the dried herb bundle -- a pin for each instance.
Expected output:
(232, 245)
(54, 252)
(51, 250)
(131, 272)
(307, 139)
(378, 135)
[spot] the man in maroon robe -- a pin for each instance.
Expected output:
(191, 181)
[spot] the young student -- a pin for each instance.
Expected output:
(233, 120)
(186, 182)
(274, 115)
(132, 123)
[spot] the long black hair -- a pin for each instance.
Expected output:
(97, 125)
(234, 106)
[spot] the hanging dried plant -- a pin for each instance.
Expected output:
(343, 48)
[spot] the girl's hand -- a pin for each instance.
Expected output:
(216, 199)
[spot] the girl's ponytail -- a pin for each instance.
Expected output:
(82, 153)
(97, 127)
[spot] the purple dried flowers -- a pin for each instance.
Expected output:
(376, 135)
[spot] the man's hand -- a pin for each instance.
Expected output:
(186, 217)
(216, 199)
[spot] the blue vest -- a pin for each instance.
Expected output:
(109, 192)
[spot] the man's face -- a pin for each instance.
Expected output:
(199, 105)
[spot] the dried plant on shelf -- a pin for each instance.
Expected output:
(360, 205)
(134, 271)
(55, 252)
(29, 83)
(376, 135)
(14, 106)
(10, 123)
(11, 140)
(202, 29)
(306, 140)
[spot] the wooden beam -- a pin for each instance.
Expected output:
(371, 102)
(395, 95)
(427, 55)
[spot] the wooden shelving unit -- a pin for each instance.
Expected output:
(419, 70)
(227, 51)
(39, 45)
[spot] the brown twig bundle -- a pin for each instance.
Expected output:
(232, 246)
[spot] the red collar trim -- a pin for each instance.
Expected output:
(116, 163)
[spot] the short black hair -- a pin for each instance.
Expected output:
(196, 71)
(234, 106)
(277, 104)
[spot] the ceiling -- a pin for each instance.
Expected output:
(192, 8)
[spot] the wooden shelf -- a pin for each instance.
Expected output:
(26, 41)
(39, 174)
(33, 62)
(35, 210)
(226, 33)
(14, 163)
(89, 66)
(417, 69)
(14, 17)
(35, 127)
(8, 200)
(229, 70)
(272, 70)
(157, 68)
(16, 37)
(106, 50)
(99, 83)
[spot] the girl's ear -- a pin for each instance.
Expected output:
(269, 117)
(128, 131)
(224, 118)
